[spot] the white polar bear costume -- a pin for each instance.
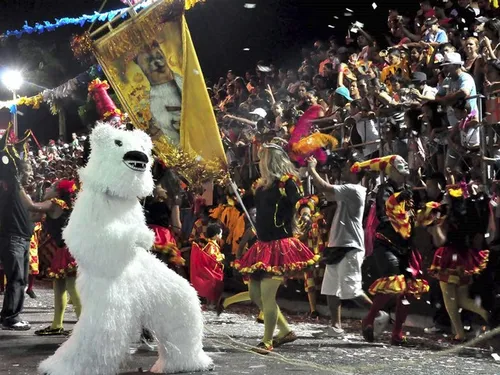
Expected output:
(123, 287)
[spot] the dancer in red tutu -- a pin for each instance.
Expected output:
(456, 261)
(397, 263)
(163, 218)
(277, 252)
(63, 266)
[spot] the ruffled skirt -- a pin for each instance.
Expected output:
(63, 264)
(277, 258)
(403, 284)
(457, 266)
(165, 243)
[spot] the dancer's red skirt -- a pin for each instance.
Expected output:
(280, 257)
(63, 264)
(403, 284)
(165, 243)
(457, 266)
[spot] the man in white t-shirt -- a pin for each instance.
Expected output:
(345, 250)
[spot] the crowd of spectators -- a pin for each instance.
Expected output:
(55, 161)
(415, 93)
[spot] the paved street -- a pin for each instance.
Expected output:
(228, 338)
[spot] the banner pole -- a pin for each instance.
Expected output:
(240, 201)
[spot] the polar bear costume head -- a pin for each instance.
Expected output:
(120, 163)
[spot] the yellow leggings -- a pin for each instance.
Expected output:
(456, 297)
(61, 289)
(263, 294)
(238, 298)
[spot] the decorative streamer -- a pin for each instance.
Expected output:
(47, 26)
(51, 96)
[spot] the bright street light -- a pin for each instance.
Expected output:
(12, 79)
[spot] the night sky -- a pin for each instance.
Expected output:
(274, 31)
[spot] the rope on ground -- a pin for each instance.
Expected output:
(246, 348)
(343, 370)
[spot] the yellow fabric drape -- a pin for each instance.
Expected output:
(199, 131)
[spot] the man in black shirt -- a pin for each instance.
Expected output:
(16, 230)
(15, 233)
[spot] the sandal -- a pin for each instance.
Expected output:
(49, 331)
(288, 338)
(262, 349)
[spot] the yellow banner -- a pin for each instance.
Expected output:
(152, 66)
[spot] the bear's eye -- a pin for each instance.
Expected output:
(118, 143)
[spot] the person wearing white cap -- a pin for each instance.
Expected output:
(261, 112)
(457, 86)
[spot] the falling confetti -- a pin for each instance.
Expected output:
(495, 356)
(336, 17)
(349, 10)
(246, 49)
(454, 257)
(347, 14)
(477, 301)
(374, 6)
(250, 5)
(331, 26)
(405, 302)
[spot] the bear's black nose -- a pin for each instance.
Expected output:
(136, 160)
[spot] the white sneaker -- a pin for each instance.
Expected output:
(334, 332)
(381, 323)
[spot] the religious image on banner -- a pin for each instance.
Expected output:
(152, 66)
(165, 88)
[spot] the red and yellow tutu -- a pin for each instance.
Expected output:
(63, 264)
(280, 257)
(165, 243)
(403, 284)
(457, 266)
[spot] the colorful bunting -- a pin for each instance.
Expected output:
(51, 96)
(46, 26)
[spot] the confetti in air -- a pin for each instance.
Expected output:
(246, 49)
(331, 26)
(250, 5)
(349, 10)
(374, 6)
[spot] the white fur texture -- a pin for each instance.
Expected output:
(123, 287)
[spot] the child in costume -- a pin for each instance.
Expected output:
(397, 263)
(63, 267)
(457, 260)
(207, 266)
(314, 230)
(277, 252)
